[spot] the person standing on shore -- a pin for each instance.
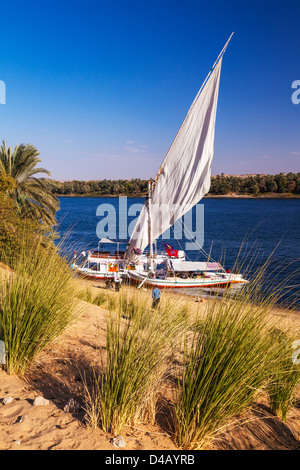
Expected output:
(117, 281)
(155, 297)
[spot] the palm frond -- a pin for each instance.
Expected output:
(32, 195)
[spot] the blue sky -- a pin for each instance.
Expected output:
(101, 87)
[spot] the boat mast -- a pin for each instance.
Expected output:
(149, 224)
(193, 104)
(139, 235)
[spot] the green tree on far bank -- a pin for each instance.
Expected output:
(252, 185)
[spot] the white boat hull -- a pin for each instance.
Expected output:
(104, 268)
(222, 280)
(94, 274)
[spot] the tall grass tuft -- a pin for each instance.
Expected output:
(87, 296)
(100, 299)
(229, 361)
(37, 303)
(284, 378)
(136, 361)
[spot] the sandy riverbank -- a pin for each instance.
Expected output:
(57, 377)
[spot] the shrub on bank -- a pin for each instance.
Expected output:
(37, 303)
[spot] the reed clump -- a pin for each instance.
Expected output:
(284, 380)
(87, 295)
(37, 303)
(221, 371)
(100, 299)
(134, 365)
(230, 360)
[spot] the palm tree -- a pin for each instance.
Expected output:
(32, 195)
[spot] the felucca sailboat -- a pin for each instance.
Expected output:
(181, 182)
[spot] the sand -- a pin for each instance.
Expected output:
(56, 376)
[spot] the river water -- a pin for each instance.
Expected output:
(228, 229)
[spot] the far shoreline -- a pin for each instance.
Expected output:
(208, 196)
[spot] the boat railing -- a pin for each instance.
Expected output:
(106, 255)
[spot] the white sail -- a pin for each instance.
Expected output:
(184, 177)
